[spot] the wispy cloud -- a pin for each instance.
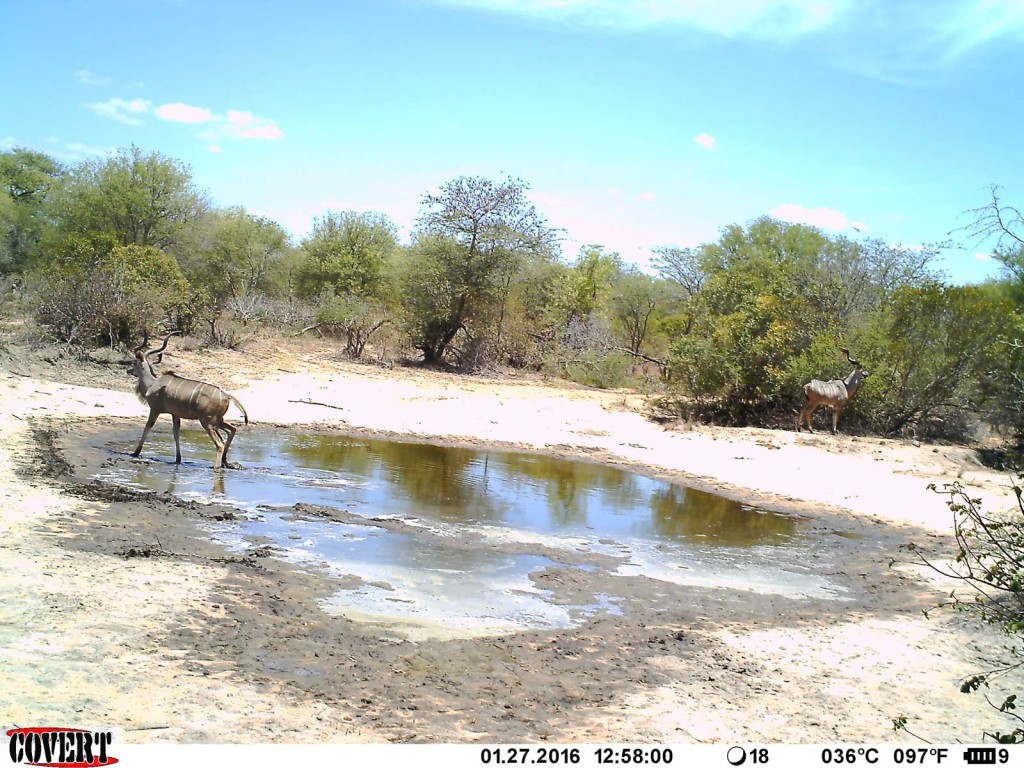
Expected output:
(234, 123)
(245, 125)
(771, 19)
(72, 151)
(825, 218)
(902, 41)
(88, 77)
(706, 140)
(970, 25)
(127, 111)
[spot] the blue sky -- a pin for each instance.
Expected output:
(637, 123)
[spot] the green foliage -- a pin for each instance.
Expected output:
(473, 239)
(604, 371)
(131, 289)
(26, 181)
(237, 256)
(931, 348)
(129, 198)
(635, 302)
(740, 324)
(768, 307)
(527, 325)
(749, 320)
(347, 253)
(587, 286)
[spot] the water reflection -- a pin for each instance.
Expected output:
(427, 577)
(459, 485)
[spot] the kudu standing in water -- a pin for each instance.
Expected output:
(183, 399)
(835, 393)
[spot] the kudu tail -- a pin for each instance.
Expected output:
(241, 407)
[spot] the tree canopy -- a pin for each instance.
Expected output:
(727, 330)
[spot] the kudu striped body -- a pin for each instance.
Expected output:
(835, 394)
(183, 399)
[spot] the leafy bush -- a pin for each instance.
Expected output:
(133, 288)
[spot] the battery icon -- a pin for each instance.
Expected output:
(980, 756)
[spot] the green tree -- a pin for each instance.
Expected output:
(238, 255)
(472, 239)
(347, 253)
(636, 300)
(131, 289)
(129, 198)
(933, 348)
(751, 315)
(27, 179)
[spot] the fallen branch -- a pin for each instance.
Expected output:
(314, 402)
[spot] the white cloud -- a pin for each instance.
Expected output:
(7, 142)
(240, 118)
(826, 218)
(183, 113)
(647, 196)
(983, 256)
(87, 77)
(215, 149)
(706, 140)
(124, 111)
(246, 125)
(860, 226)
(235, 123)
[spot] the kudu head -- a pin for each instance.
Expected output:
(856, 378)
(143, 364)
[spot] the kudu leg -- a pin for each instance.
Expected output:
(810, 415)
(176, 423)
(145, 432)
(215, 436)
(230, 429)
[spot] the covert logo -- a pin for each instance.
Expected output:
(60, 747)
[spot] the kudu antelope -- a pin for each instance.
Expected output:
(835, 394)
(183, 399)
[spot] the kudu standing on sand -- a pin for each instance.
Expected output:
(183, 399)
(835, 393)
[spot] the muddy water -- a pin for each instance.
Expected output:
(422, 574)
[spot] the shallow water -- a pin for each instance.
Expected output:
(417, 575)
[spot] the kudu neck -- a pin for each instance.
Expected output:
(853, 381)
(147, 375)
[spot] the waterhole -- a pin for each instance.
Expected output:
(448, 541)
